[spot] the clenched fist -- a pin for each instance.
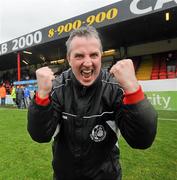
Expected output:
(124, 73)
(44, 77)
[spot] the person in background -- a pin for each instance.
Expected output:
(83, 109)
(3, 94)
(171, 63)
(26, 96)
(20, 97)
(13, 95)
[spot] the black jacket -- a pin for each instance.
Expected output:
(84, 122)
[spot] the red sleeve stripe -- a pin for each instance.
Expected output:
(135, 97)
(42, 101)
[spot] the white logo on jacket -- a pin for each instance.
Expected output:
(98, 133)
(64, 117)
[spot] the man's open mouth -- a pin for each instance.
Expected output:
(87, 73)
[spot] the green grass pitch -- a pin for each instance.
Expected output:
(23, 159)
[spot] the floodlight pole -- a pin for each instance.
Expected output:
(18, 67)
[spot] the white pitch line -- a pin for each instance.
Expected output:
(164, 119)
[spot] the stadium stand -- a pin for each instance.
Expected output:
(148, 67)
(155, 70)
(159, 69)
(144, 70)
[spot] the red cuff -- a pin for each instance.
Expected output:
(135, 97)
(42, 101)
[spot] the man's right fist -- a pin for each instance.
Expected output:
(44, 77)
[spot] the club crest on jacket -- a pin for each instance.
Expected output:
(98, 133)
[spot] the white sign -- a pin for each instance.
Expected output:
(22, 42)
(159, 4)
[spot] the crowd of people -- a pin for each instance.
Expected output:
(20, 95)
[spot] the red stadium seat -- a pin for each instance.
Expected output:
(171, 75)
(162, 72)
(162, 76)
(154, 77)
(154, 74)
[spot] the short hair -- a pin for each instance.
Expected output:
(84, 31)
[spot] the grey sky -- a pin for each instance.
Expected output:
(19, 17)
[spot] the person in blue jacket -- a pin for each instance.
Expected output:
(26, 96)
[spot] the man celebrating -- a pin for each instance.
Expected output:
(83, 109)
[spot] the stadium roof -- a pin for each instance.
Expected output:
(125, 23)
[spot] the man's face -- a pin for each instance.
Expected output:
(85, 59)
